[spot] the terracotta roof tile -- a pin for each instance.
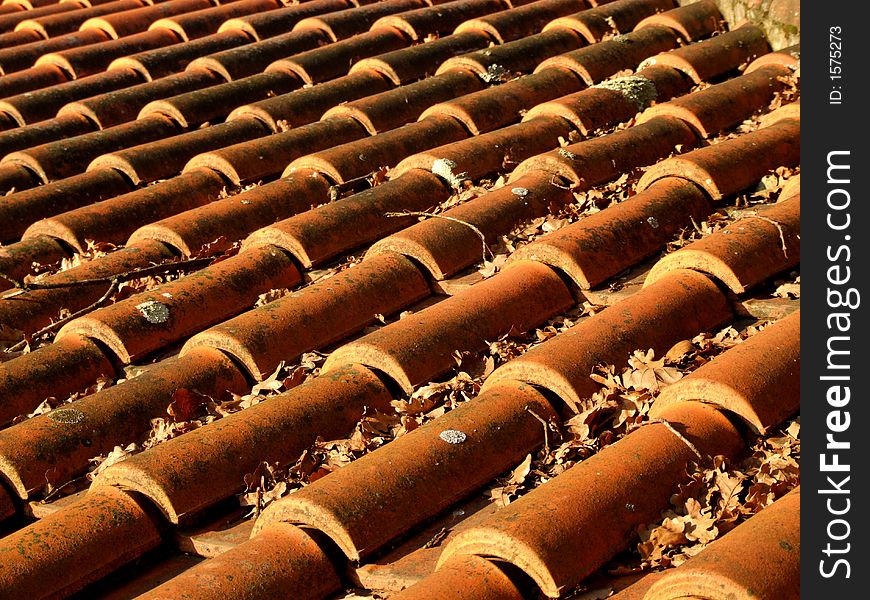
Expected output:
(745, 253)
(487, 153)
(318, 235)
(200, 23)
(71, 365)
(281, 20)
(418, 474)
(478, 578)
(404, 104)
(67, 157)
(16, 177)
(446, 246)
(693, 21)
(507, 127)
(122, 106)
(67, 22)
(10, 20)
(331, 408)
(21, 57)
(598, 247)
(70, 435)
(566, 529)
(334, 60)
(726, 104)
(20, 138)
(268, 156)
(30, 205)
(523, 21)
(598, 160)
(733, 165)
(39, 105)
(718, 55)
(146, 322)
(284, 558)
(617, 101)
(409, 64)
(200, 106)
(37, 308)
(138, 20)
(611, 18)
(518, 56)
(16, 260)
(263, 337)
(167, 60)
(163, 158)
(100, 222)
(46, 557)
(94, 58)
(343, 24)
(34, 78)
(738, 382)
(681, 305)
(416, 349)
(787, 57)
(352, 160)
(250, 59)
(308, 104)
(10, 39)
(761, 553)
(441, 18)
(599, 61)
(500, 105)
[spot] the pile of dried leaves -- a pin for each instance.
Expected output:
(620, 405)
(719, 496)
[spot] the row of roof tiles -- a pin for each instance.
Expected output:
(525, 295)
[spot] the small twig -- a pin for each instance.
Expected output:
(779, 229)
(409, 213)
(437, 538)
(679, 435)
(695, 225)
(546, 430)
(61, 322)
(161, 269)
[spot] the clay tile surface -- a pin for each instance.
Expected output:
(199, 23)
(516, 299)
(541, 532)
(767, 361)
(260, 338)
(442, 17)
(745, 253)
(281, 20)
(284, 557)
(395, 298)
(770, 569)
(399, 485)
(733, 165)
(611, 18)
(332, 406)
(563, 365)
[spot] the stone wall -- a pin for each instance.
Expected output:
(780, 19)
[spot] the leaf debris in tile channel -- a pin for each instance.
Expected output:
(397, 299)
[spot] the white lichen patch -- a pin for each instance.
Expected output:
(519, 191)
(453, 436)
(154, 312)
(654, 223)
(67, 416)
(443, 168)
(639, 90)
